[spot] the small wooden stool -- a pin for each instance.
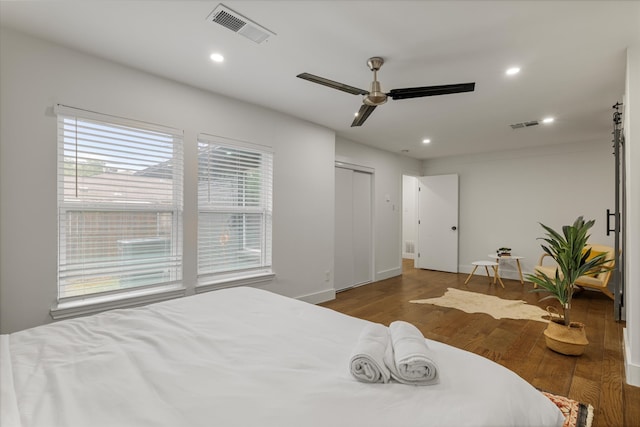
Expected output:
(486, 265)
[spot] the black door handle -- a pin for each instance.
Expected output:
(454, 228)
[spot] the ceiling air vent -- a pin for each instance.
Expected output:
(237, 23)
(524, 124)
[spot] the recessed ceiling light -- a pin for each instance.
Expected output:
(426, 141)
(216, 57)
(548, 120)
(513, 71)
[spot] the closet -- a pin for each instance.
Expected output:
(353, 252)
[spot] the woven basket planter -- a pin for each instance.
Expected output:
(570, 340)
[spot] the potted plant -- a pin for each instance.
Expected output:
(504, 251)
(574, 260)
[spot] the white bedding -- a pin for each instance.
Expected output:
(241, 357)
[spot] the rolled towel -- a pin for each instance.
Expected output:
(410, 360)
(367, 362)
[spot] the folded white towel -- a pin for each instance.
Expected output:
(409, 359)
(367, 361)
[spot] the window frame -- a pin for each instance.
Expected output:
(208, 280)
(68, 306)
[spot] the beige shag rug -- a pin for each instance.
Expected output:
(498, 308)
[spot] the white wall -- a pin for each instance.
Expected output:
(35, 75)
(632, 217)
(504, 195)
(387, 216)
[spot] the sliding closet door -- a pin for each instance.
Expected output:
(361, 228)
(343, 252)
(353, 219)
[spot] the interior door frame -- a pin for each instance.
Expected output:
(371, 171)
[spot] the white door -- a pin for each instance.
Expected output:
(353, 231)
(438, 223)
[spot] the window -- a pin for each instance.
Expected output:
(234, 209)
(119, 205)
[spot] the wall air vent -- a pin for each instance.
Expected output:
(524, 124)
(409, 247)
(237, 23)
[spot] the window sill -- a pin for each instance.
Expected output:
(230, 281)
(97, 304)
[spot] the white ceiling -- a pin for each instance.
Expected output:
(572, 56)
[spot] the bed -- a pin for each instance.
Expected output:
(240, 357)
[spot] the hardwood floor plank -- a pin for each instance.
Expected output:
(632, 405)
(526, 351)
(554, 373)
(585, 391)
(610, 412)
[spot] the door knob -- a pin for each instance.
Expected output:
(454, 228)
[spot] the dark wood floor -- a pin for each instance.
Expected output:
(596, 377)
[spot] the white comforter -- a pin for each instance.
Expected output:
(240, 357)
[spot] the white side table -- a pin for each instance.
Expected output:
(509, 257)
(486, 265)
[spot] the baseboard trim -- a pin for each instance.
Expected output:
(632, 371)
(386, 274)
(318, 297)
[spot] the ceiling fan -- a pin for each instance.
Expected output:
(375, 96)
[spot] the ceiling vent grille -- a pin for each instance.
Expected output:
(524, 124)
(237, 23)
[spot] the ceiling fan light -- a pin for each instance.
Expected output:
(426, 141)
(512, 71)
(548, 120)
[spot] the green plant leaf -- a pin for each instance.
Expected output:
(568, 250)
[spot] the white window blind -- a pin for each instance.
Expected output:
(119, 204)
(234, 208)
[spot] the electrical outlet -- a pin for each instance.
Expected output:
(327, 276)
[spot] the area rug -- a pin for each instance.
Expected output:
(498, 308)
(576, 414)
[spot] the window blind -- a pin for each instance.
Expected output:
(234, 207)
(119, 204)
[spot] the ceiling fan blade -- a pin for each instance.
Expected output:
(330, 83)
(364, 112)
(416, 92)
